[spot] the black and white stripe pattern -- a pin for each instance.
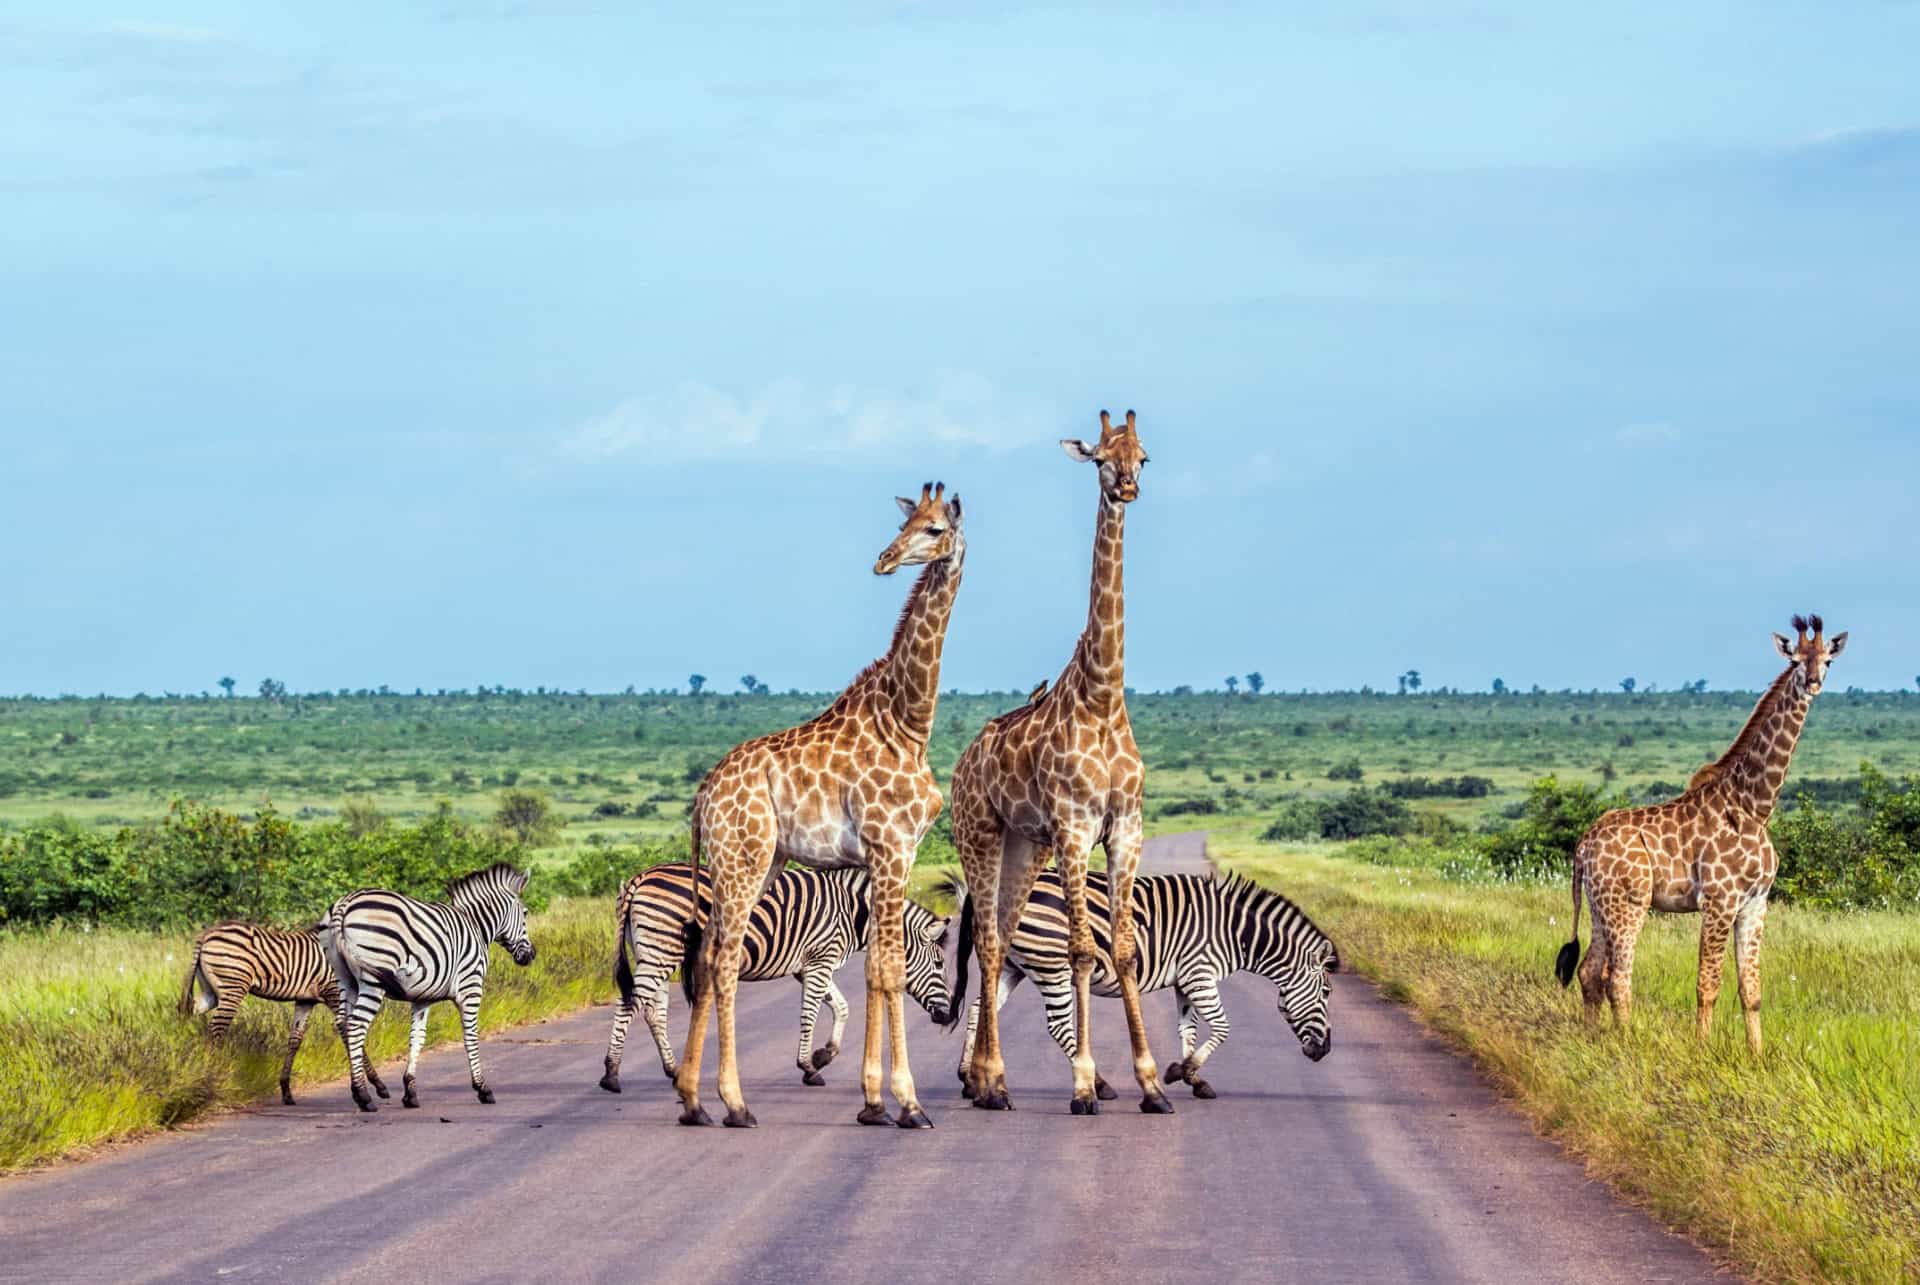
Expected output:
(234, 960)
(806, 927)
(1193, 932)
(383, 944)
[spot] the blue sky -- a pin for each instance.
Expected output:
(516, 342)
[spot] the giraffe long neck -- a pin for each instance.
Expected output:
(1755, 766)
(1103, 647)
(913, 663)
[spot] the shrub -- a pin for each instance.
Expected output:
(1446, 787)
(1361, 813)
(1872, 860)
(1297, 821)
(528, 816)
(1549, 824)
(1347, 771)
(1190, 807)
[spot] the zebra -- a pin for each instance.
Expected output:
(806, 927)
(383, 944)
(234, 960)
(1193, 932)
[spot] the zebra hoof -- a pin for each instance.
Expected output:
(695, 1117)
(381, 1089)
(812, 1077)
(1156, 1104)
(825, 1055)
(409, 1101)
(1203, 1091)
(1085, 1106)
(873, 1113)
(1102, 1090)
(740, 1120)
(610, 1082)
(486, 1096)
(366, 1104)
(913, 1118)
(993, 1102)
(1175, 1073)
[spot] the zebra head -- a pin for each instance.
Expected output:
(491, 898)
(1303, 997)
(927, 963)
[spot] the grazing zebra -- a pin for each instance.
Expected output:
(383, 944)
(1193, 933)
(805, 927)
(234, 960)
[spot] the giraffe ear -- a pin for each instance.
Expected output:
(1786, 648)
(953, 510)
(1836, 644)
(908, 507)
(1078, 450)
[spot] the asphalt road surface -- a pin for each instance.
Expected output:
(1388, 1161)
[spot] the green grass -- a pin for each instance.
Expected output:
(1804, 1165)
(94, 1050)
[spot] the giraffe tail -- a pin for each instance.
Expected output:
(1569, 957)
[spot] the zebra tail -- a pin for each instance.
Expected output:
(962, 949)
(1569, 957)
(694, 934)
(622, 965)
(186, 994)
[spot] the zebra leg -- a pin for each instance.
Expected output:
(1188, 1029)
(362, 1007)
(338, 1007)
(223, 1013)
(821, 1057)
(813, 993)
(655, 1011)
(617, 1040)
(302, 1010)
(469, 1003)
(1204, 996)
(1123, 860)
(416, 1037)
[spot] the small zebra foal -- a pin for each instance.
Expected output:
(1193, 932)
(383, 944)
(806, 927)
(234, 960)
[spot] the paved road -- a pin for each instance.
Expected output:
(1389, 1161)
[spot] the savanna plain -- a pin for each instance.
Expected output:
(1427, 831)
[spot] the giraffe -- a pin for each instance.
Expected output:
(1050, 780)
(850, 787)
(1706, 851)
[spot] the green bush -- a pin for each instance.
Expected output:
(1190, 807)
(603, 871)
(1297, 822)
(1359, 814)
(1541, 838)
(1347, 771)
(1868, 859)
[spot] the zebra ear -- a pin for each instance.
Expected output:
(936, 931)
(516, 880)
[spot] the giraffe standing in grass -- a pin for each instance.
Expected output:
(849, 788)
(1707, 851)
(1050, 780)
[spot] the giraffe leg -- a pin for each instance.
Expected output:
(1072, 851)
(1623, 934)
(729, 953)
(1716, 922)
(1747, 927)
(1010, 977)
(886, 982)
(1123, 861)
(302, 1010)
(1593, 969)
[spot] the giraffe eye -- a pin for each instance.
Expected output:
(936, 530)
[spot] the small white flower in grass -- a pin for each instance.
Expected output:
(169, 957)
(73, 1012)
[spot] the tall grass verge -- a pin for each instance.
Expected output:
(1804, 1165)
(92, 1049)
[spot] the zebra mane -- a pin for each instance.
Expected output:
(1244, 892)
(501, 874)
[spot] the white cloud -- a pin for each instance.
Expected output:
(697, 421)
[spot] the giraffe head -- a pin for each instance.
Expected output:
(1811, 651)
(1119, 455)
(931, 532)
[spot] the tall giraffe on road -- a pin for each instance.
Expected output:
(1708, 850)
(1051, 779)
(851, 787)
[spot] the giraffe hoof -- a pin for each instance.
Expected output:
(1204, 1091)
(1156, 1104)
(913, 1118)
(1103, 1091)
(967, 1090)
(610, 1082)
(994, 1102)
(813, 1078)
(873, 1113)
(694, 1117)
(740, 1120)
(286, 1096)
(823, 1056)
(1085, 1106)
(1175, 1073)
(486, 1096)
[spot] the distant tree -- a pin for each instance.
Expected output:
(1184, 689)
(1233, 684)
(528, 816)
(1608, 772)
(272, 689)
(1403, 684)
(227, 685)
(361, 817)
(695, 682)
(1255, 682)
(1499, 687)
(749, 684)
(1627, 685)
(1412, 677)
